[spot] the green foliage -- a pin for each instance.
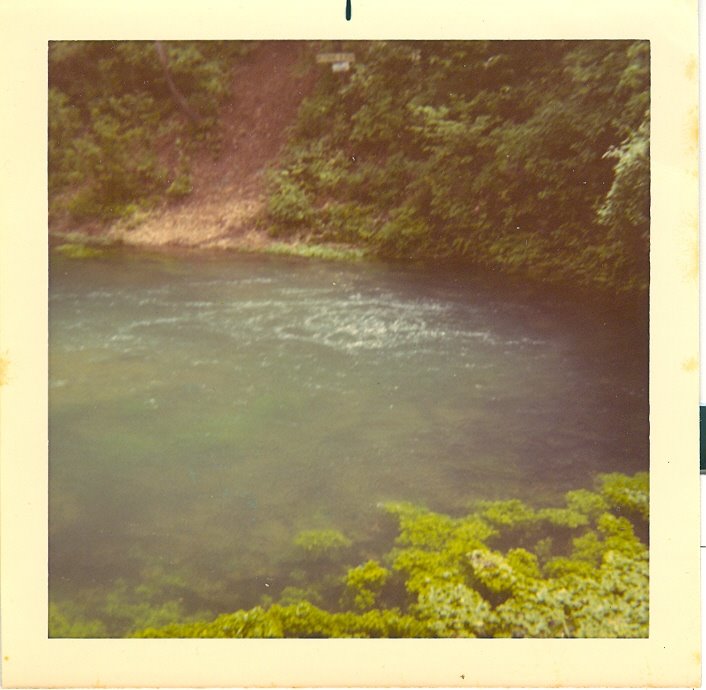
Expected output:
(629, 494)
(419, 527)
(302, 620)
(508, 513)
(326, 252)
(124, 608)
(64, 126)
(492, 571)
(290, 205)
(295, 595)
(364, 583)
(346, 222)
(563, 517)
(586, 502)
(321, 543)
(452, 610)
(446, 578)
(524, 563)
(116, 134)
(182, 184)
(611, 601)
(527, 156)
(64, 622)
(587, 548)
(78, 251)
(404, 234)
(117, 165)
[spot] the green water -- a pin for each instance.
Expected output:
(204, 411)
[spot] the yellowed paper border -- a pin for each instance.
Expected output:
(671, 654)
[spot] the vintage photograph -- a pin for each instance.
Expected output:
(349, 339)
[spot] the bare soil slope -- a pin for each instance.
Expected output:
(228, 193)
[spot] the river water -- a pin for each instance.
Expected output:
(204, 411)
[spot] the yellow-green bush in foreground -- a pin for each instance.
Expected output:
(504, 570)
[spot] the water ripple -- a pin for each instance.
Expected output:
(322, 317)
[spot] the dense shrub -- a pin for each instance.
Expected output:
(117, 135)
(583, 573)
(528, 156)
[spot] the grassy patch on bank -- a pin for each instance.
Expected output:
(79, 251)
(317, 251)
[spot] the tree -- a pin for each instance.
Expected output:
(177, 95)
(118, 137)
(492, 150)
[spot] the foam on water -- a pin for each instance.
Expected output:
(350, 323)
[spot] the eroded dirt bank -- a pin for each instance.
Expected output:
(229, 188)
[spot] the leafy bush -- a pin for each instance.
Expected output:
(525, 156)
(347, 222)
(365, 582)
(115, 128)
(289, 206)
(321, 543)
(303, 620)
(446, 576)
(629, 494)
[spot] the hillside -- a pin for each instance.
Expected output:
(228, 192)
(228, 188)
(528, 158)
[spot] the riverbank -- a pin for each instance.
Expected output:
(87, 243)
(79, 244)
(273, 167)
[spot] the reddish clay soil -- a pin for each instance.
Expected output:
(228, 193)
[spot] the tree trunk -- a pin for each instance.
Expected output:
(176, 94)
